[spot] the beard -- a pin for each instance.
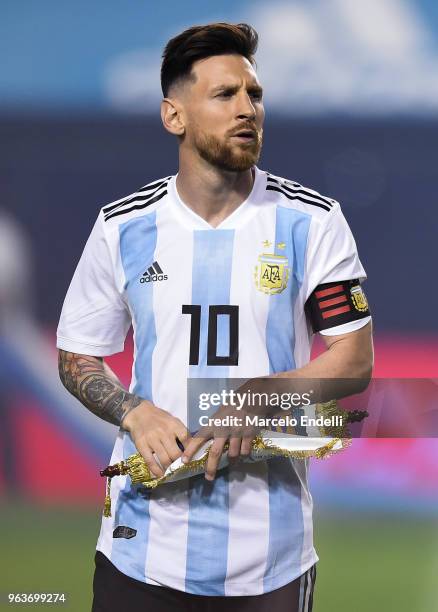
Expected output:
(226, 156)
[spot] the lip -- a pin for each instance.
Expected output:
(245, 135)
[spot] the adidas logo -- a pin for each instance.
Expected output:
(153, 273)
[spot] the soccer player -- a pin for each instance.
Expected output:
(222, 270)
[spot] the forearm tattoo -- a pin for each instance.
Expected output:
(87, 380)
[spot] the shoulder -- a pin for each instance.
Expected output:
(290, 194)
(143, 201)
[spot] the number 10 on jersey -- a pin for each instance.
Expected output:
(213, 359)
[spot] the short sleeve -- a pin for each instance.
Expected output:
(334, 274)
(94, 318)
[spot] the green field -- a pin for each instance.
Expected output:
(371, 564)
(376, 564)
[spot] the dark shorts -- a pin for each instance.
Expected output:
(114, 591)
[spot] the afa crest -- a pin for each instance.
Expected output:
(359, 299)
(272, 272)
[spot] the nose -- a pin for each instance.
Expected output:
(246, 108)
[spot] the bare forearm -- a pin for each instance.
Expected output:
(343, 369)
(348, 362)
(94, 384)
(337, 362)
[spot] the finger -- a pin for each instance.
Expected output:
(246, 446)
(214, 455)
(194, 444)
(192, 448)
(234, 448)
(160, 450)
(172, 447)
(183, 435)
(146, 453)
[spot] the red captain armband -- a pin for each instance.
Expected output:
(333, 304)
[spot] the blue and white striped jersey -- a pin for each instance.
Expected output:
(148, 262)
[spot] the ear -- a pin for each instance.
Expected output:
(172, 116)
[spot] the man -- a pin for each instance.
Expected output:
(215, 268)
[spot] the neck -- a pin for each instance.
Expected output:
(210, 192)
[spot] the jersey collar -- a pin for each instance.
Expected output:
(238, 217)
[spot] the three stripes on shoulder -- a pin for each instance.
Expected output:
(153, 192)
(295, 191)
(147, 195)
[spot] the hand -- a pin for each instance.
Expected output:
(154, 430)
(239, 438)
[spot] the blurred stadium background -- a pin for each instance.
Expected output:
(352, 110)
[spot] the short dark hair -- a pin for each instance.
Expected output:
(199, 42)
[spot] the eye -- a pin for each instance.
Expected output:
(256, 95)
(224, 94)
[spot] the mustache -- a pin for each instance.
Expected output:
(243, 127)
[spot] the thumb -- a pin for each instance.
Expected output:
(193, 446)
